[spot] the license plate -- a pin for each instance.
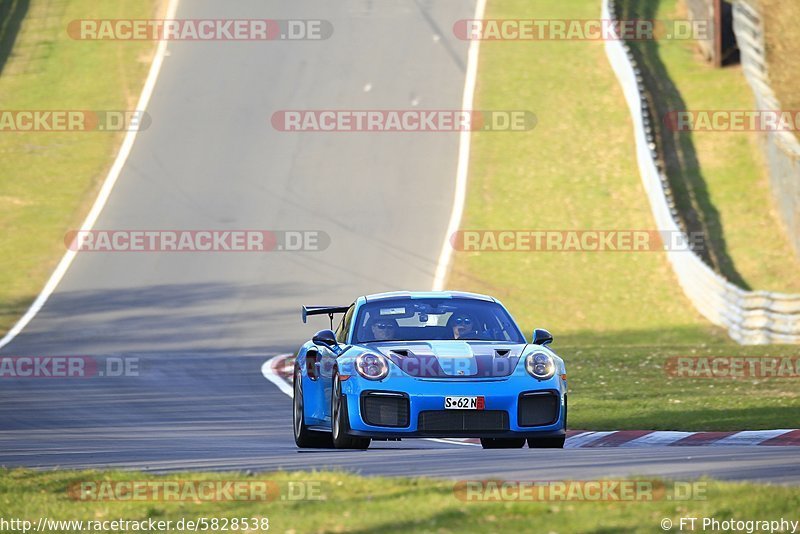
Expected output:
(464, 403)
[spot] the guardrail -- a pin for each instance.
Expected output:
(750, 317)
(781, 148)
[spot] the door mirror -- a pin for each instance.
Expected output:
(542, 337)
(326, 338)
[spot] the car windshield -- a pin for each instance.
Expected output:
(407, 319)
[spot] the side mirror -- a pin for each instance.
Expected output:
(542, 337)
(326, 338)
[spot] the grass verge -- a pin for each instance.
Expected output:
(49, 179)
(629, 388)
(350, 503)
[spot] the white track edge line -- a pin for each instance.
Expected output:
(105, 190)
(462, 169)
(453, 442)
(268, 371)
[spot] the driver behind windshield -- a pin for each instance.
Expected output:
(382, 329)
(463, 325)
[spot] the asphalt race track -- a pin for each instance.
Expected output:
(199, 326)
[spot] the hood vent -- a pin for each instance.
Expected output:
(502, 352)
(400, 352)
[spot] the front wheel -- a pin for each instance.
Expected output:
(340, 422)
(303, 437)
(502, 443)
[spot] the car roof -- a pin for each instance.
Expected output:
(427, 295)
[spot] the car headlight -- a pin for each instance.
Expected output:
(540, 365)
(372, 366)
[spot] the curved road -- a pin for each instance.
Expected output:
(200, 326)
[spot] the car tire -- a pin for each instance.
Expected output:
(546, 443)
(303, 437)
(502, 443)
(340, 422)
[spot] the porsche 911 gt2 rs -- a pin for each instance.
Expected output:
(427, 364)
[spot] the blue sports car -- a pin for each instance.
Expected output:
(432, 364)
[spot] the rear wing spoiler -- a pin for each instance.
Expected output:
(323, 310)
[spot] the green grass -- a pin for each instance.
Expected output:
(628, 388)
(48, 180)
(356, 504)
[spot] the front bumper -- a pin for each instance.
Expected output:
(501, 416)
